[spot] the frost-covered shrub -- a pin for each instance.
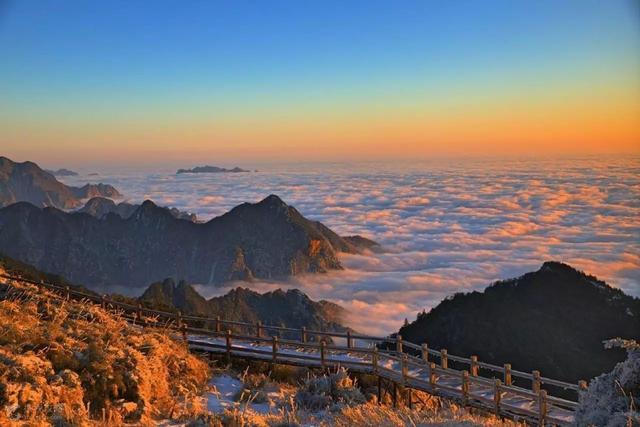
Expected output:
(72, 362)
(612, 399)
(332, 391)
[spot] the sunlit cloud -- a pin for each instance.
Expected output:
(445, 228)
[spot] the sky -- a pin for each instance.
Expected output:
(229, 82)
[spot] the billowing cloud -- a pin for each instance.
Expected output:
(447, 227)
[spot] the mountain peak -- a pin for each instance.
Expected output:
(557, 266)
(273, 200)
(148, 204)
(149, 210)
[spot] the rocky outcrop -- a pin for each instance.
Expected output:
(27, 182)
(88, 191)
(265, 240)
(362, 244)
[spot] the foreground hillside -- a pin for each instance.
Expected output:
(69, 362)
(554, 320)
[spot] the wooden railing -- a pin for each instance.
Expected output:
(482, 385)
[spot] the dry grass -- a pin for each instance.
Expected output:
(364, 415)
(69, 362)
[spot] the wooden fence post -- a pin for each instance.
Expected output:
(349, 339)
(183, 328)
(542, 411)
(465, 387)
(379, 390)
(258, 329)
(399, 343)
(496, 396)
(179, 320)
(474, 366)
(228, 340)
(274, 349)
(67, 294)
(103, 301)
(139, 313)
(535, 382)
(444, 359)
(432, 376)
(425, 352)
(303, 334)
(374, 360)
(507, 374)
(218, 324)
(322, 353)
(404, 368)
(395, 394)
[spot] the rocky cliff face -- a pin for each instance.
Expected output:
(27, 182)
(265, 240)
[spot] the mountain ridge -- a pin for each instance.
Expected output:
(291, 308)
(100, 207)
(264, 240)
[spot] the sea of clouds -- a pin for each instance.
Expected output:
(447, 226)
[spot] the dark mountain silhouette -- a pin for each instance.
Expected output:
(265, 240)
(27, 182)
(553, 320)
(211, 169)
(100, 207)
(291, 308)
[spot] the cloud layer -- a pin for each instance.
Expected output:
(447, 227)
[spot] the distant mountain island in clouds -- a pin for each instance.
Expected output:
(62, 172)
(27, 182)
(211, 169)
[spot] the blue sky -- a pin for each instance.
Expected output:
(169, 61)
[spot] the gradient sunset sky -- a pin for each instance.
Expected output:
(238, 81)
